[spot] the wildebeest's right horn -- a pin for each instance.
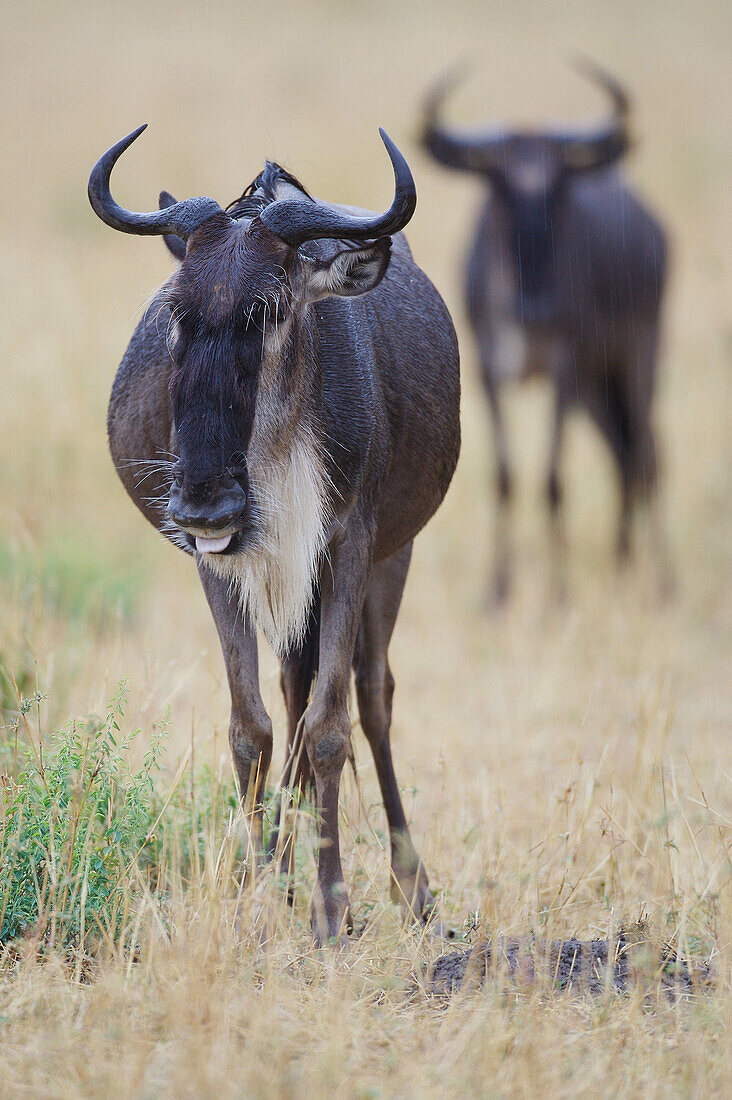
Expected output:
(296, 221)
(181, 218)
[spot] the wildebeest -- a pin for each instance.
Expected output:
(565, 277)
(291, 397)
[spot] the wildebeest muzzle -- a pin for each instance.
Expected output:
(212, 513)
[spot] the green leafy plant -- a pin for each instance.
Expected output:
(73, 820)
(190, 821)
(83, 836)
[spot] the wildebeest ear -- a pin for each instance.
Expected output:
(175, 244)
(349, 273)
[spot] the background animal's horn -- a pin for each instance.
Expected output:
(296, 221)
(594, 72)
(602, 146)
(477, 152)
(181, 218)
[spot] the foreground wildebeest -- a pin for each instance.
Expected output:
(294, 389)
(565, 277)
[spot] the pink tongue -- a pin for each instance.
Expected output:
(212, 546)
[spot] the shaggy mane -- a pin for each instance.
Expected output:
(263, 190)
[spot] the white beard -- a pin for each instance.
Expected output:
(275, 576)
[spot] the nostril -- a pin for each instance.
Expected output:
(227, 511)
(233, 514)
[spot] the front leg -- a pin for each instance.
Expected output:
(250, 728)
(326, 724)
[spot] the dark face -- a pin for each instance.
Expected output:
(237, 285)
(528, 185)
(229, 283)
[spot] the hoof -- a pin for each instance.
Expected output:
(332, 922)
(412, 892)
(341, 943)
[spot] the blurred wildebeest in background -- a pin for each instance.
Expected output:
(287, 412)
(565, 277)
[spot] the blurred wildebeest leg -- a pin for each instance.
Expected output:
(664, 565)
(555, 494)
(608, 405)
(375, 689)
(641, 375)
(620, 407)
(501, 543)
(250, 728)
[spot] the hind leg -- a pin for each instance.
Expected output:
(637, 465)
(641, 375)
(625, 518)
(375, 688)
(645, 503)
(296, 678)
(501, 581)
(610, 408)
(554, 492)
(638, 457)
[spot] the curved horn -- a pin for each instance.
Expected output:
(479, 151)
(600, 147)
(181, 218)
(295, 221)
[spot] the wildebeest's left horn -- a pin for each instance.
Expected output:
(601, 147)
(295, 221)
(476, 152)
(181, 218)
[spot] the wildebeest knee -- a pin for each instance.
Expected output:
(250, 738)
(327, 734)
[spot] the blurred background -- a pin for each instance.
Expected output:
(495, 716)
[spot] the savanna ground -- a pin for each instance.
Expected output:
(566, 770)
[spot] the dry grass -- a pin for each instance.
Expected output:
(569, 770)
